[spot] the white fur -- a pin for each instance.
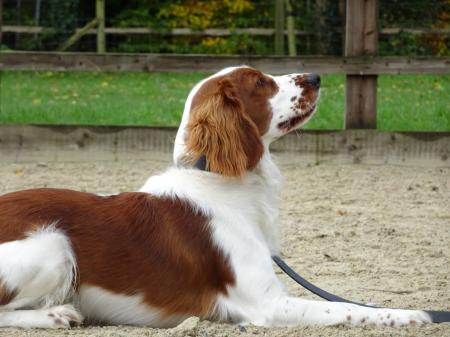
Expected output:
(244, 213)
(281, 105)
(101, 306)
(41, 268)
(56, 317)
(244, 218)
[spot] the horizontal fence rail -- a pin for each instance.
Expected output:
(57, 61)
(150, 31)
(32, 143)
(209, 31)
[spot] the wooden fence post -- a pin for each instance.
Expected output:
(18, 22)
(79, 33)
(100, 14)
(279, 27)
(292, 48)
(1, 21)
(361, 38)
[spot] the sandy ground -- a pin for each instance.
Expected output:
(378, 234)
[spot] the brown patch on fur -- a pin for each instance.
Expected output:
(309, 93)
(6, 295)
(228, 116)
(220, 130)
(130, 243)
(349, 318)
(392, 323)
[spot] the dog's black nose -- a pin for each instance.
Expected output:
(313, 80)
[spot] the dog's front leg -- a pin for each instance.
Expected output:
(291, 311)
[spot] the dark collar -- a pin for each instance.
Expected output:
(201, 163)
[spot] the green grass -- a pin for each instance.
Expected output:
(406, 102)
(94, 98)
(414, 103)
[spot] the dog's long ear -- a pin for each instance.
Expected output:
(220, 130)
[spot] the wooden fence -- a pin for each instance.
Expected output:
(361, 69)
(223, 32)
(360, 63)
(351, 65)
(63, 143)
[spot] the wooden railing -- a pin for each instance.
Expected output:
(209, 31)
(357, 66)
(360, 64)
(352, 65)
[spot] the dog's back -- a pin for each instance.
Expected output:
(126, 243)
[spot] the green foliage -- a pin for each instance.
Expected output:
(415, 14)
(204, 14)
(134, 17)
(62, 16)
(163, 15)
(194, 15)
(235, 44)
(324, 18)
(403, 44)
(411, 13)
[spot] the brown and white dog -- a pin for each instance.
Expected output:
(191, 242)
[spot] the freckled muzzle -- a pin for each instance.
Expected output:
(304, 105)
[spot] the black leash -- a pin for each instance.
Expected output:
(309, 286)
(436, 316)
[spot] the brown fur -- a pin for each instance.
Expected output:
(309, 93)
(129, 243)
(228, 116)
(6, 295)
(220, 130)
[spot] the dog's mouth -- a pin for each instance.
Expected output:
(293, 122)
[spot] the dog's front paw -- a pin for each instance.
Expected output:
(63, 317)
(398, 318)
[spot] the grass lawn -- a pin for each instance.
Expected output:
(405, 102)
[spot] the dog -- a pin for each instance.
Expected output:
(191, 242)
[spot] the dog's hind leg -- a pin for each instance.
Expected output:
(37, 273)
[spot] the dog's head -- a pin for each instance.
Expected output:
(233, 115)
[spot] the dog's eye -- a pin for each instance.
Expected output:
(260, 83)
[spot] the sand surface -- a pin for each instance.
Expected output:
(376, 234)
